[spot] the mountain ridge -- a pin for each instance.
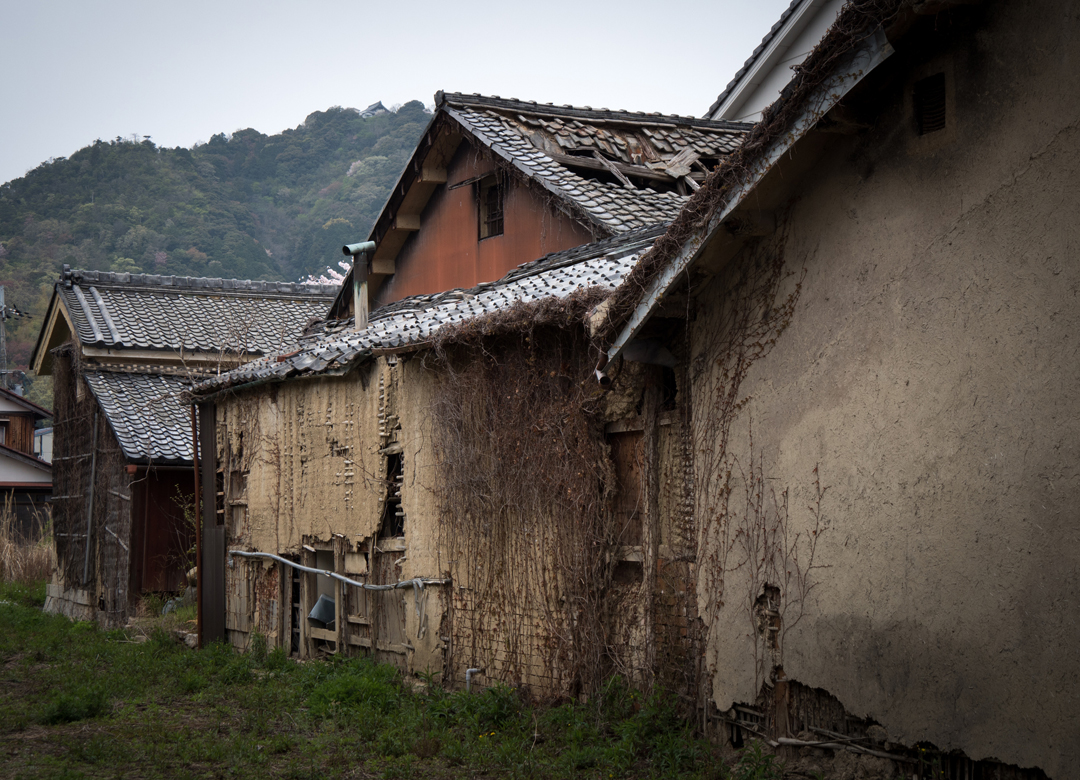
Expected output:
(242, 205)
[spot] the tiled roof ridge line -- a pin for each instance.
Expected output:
(136, 369)
(443, 99)
(216, 285)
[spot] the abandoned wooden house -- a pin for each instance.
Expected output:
(350, 455)
(121, 348)
(495, 183)
(350, 469)
(25, 478)
(882, 373)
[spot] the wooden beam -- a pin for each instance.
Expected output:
(385, 267)
(431, 174)
(615, 171)
(590, 163)
(410, 222)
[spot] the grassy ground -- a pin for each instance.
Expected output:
(78, 702)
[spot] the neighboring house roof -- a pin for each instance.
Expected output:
(147, 415)
(28, 405)
(613, 171)
(25, 465)
(800, 27)
(335, 347)
(176, 313)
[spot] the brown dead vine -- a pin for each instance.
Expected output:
(743, 523)
(524, 480)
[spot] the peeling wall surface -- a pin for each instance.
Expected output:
(917, 420)
(320, 471)
(305, 474)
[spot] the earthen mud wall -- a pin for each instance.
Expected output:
(901, 462)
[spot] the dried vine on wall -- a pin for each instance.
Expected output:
(744, 524)
(523, 487)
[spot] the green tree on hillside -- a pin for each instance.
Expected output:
(245, 205)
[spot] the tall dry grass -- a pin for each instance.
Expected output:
(25, 560)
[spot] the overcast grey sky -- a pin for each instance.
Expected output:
(77, 70)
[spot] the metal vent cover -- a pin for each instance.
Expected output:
(929, 97)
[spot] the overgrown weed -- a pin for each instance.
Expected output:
(25, 558)
(96, 698)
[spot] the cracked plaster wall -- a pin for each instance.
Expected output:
(931, 374)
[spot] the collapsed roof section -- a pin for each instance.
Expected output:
(334, 348)
(612, 171)
(149, 318)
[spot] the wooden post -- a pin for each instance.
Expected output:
(307, 558)
(650, 528)
(284, 606)
(90, 501)
(198, 528)
(341, 597)
(374, 599)
(212, 566)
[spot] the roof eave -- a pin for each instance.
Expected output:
(22, 457)
(41, 346)
(852, 70)
(29, 405)
(397, 194)
(573, 209)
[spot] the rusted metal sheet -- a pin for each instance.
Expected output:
(447, 252)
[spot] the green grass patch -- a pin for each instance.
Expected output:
(82, 702)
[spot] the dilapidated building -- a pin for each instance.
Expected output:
(495, 183)
(25, 477)
(805, 454)
(880, 298)
(399, 452)
(121, 349)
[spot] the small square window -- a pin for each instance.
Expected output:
(491, 193)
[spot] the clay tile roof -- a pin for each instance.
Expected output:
(553, 145)
(141, 311)
(145, 411)
(334, 347)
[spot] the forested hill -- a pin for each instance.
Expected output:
(246, 206)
